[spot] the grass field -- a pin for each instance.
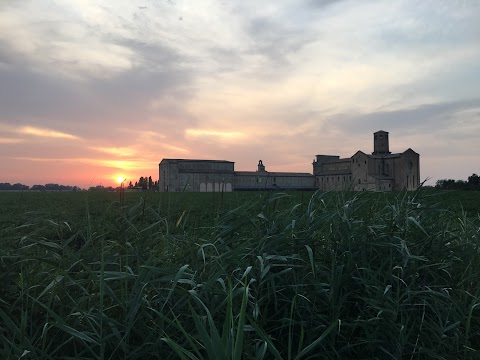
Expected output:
(240, 275)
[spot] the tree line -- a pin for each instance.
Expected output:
(472, 183)
(143, 183)
(50, 187)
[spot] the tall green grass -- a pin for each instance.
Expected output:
(331, 276)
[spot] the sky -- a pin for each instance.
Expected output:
(94, 91)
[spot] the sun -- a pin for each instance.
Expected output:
(120, 179)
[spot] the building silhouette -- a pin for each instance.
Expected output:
(379, 171)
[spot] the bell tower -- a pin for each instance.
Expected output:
(261, 167)
(380, 143)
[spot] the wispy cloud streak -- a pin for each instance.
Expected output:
(30, 130)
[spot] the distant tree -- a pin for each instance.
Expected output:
(130, 185)
(5, 186)
(101, 188)
(474, 180)
(17, 186)
(144, 182)
(54, 187)
(473, 183)
(444, 184)
(141, 182)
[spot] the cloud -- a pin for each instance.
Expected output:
(127, 165)
(74, 49)
(321, 4)
(175, 148)
(117, 151)
(223, 135)
(35, 131)
(11, 140)
(426, 117)
(30, 130)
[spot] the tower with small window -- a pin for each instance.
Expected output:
(380, 143)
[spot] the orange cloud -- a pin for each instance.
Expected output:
(30, 130)
(117, 164)
(175, 148)
(118, 151)
(121, 164)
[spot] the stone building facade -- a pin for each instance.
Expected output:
(380, 171)
(196, 175)
(265, 180)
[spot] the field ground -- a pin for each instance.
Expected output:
(18, 206)
(240, 275)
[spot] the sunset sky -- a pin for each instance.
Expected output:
(94, 90)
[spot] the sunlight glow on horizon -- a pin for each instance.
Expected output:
(120, 178)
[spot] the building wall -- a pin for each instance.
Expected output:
(407, 171)
(381, 171)
(337, 182)
(255, 180)
(200, 182)
(360, 172)
(332, 173)
(177, 175)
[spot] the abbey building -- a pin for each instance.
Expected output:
(379, 171)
